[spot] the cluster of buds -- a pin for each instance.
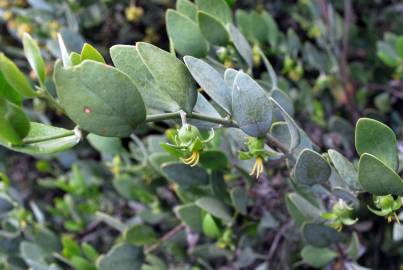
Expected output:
(293, 69)
(226, 55)
(257, 151)
(387, 207)
(134, 13)
(188, 143)
(341, 215)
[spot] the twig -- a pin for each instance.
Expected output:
(277, 239)
(164, 238)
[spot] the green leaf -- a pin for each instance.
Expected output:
(140, 235)
(241, 44)
(15, 77)
(239, 199)
(377, 178)
(244, 23)
(301, 209)
(122, 257)
(210, 227)
(5, 206)
(185, 175)
(319, 235)
(211, 81)
(345, 169)
(215, 207)
(212, 29)
(259, 27)
(280, 131)
(387, 54)
(317, 257)
(218, 186)
(187, 8)
(252, 109)
(214, 160)
(311, 168)
(43, 140)
(185, 35)
(34, 57)
(107, 146)
(100, 98)
(354, 247)
(14, 124)
(375, 138)
(399, 46)
(216, 8)
(8, 92)
(90, 53)
(81, 263)
(191, 215)
(127, 59)
(171, 75)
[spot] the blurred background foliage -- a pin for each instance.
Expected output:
(336, 60)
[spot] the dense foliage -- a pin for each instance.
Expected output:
(266, 135)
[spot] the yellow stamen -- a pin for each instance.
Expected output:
(389, 219)
(252, 172)
(193, 159)
(396, 218)
(258, 168)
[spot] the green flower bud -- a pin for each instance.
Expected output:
(385, 202)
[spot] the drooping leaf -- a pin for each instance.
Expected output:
(107, 146)
(185, 35)
(43, 140)
(375, 138)
(34, 57)
(252, 109)
(212, 29)
(311, 168)
(90, 53)
(217, 8)
(100, 98)
(211, 81)
(215, 207)
(377, 178)
(170, 74)
(15, 77)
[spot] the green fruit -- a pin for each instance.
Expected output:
(187, 134)
(385, 202)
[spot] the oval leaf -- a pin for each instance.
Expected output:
(14, 124)
(185, 175)
(215, 208)
(99, 98)
(251, 107)
(34, 56)
(15, 77)
(377, 178)
(375, 138)
(211, 81)
(185, 35)
(170, 74)
(311, 168)
(212, 29)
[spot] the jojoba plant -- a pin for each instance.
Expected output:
(189, 193)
